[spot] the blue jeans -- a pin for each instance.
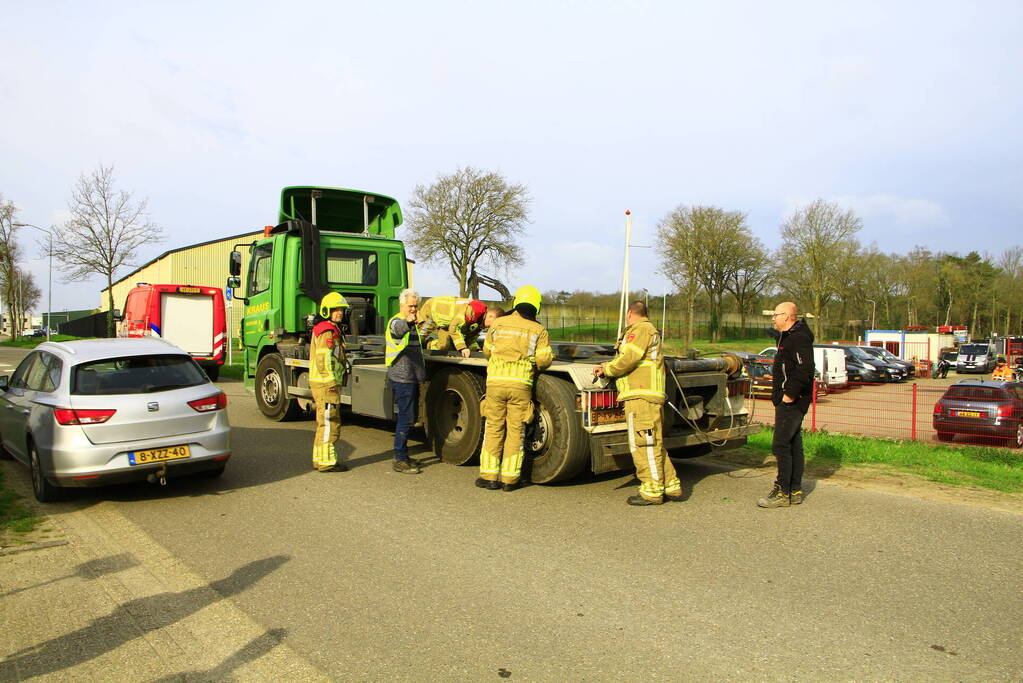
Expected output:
(406, 398)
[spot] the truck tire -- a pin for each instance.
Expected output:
(557, 446)
(271, 390)
(453, 417)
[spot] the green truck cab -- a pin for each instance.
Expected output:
(327, 239)
(330, 239)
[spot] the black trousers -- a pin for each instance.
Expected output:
(787, 445)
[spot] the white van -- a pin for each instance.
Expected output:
(830, 362)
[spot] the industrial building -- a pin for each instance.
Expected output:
(202, 265)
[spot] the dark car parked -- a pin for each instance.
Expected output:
(886, 356)
(986, 408)
(860, 366)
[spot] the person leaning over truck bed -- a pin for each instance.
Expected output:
(791, 394)
(456, 321)
(516, 347)
(639, 371)
(406, 370)
(326, 375)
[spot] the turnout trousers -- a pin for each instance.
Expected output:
(507, 410)
(654, 470)
(328, 426)
(443, 342)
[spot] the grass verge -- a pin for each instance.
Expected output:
(15, 517)
(233, 371)
(32, 342)
(1000, 469)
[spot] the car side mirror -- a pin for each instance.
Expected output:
(118, 316)
(235, 264)
(4, 379)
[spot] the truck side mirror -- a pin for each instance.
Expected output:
(234, 282)
(235, 265)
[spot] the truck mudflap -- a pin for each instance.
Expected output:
(610, 451)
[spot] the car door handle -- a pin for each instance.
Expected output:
(25, 411)
(8, 406)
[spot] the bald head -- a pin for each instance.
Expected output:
(785, 315)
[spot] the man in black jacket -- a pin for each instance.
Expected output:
(791, 394)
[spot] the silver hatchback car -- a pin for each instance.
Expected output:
(104, 411)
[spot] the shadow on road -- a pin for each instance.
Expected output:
(253, 650)
(130, 620)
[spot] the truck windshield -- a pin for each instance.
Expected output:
(350, 267)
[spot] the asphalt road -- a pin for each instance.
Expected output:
(426, 577)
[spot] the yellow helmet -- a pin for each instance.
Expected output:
(528, 295)
(331, 301)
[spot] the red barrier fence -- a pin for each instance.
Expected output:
(907, 411)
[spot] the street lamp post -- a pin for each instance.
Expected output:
(49, 285)
(873, 309)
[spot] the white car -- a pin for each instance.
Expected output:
(103, 411)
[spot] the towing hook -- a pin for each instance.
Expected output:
(158, 476)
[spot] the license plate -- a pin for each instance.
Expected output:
(967, 413)
(158, 455)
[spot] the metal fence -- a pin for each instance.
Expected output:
(903, 411)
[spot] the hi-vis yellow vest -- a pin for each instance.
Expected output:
(394, 347)
(639, 365)
(514, 347)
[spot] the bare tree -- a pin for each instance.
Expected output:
(10, 254)
(816, 240)
(712, 243)
(468, 217)
(106, 230)
(25, 294)
(750, 278)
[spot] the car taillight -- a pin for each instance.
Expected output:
(73, 416)
(939, 407)
(1005, 410)
(205, 405)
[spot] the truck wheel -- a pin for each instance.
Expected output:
(557, 446)
(453, 415)
(271, 389)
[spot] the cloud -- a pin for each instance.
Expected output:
(906, 212)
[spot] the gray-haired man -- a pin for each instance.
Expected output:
(405, 371)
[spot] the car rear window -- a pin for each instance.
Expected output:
(977, 393)
(136, 375)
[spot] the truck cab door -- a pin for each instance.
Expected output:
(256, 322)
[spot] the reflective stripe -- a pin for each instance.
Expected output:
(654, 474)
(632, 435)
(392, 347)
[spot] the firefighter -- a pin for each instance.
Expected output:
(457, 322)
(326, 375)
(639, 371)
(516, 346)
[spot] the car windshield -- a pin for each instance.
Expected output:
(973, 349)
(759, 370)
(950, 355)
(135, 375)
(977, 393)
(860, 353)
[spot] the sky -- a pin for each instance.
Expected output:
(906, 112)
